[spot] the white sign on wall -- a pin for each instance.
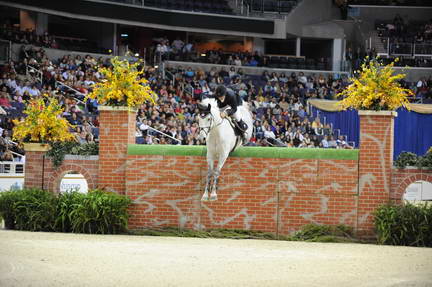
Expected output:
(74, 182)
(69, 182)
(419, 190)
(11, 181)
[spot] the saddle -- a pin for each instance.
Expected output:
(237, 130)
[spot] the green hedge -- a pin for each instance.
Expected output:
(60, 149)
(410, 159)
(409, 224)
(37, 210)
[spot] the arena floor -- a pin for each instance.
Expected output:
(57, 259)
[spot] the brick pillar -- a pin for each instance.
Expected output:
(375, 165)
(35, 167)
(117, 130)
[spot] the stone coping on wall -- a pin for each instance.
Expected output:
(36, 147)
(81, 157)
(119, 108)
(413, 168)
(253, 152)
(377, 113)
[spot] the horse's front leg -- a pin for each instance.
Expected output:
(216, 174)
(205, 196)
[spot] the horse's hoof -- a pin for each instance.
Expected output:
(213, 197)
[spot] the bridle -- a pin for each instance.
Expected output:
(208, 128)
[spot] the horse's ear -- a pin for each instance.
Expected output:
(209, 107)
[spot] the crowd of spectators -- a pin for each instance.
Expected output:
(278, 104)
(18, 84)
(277, 100)
(406, 37)
(178, 50)
(11, 33)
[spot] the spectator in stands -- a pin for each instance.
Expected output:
(398, 25)
(343, 6)
(177, 45)
(237, 61)
(332, 142)
(324, 142)
(422, 88)
(5, 100)
(7, 155)
(341, 143)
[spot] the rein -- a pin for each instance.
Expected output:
(208, 128)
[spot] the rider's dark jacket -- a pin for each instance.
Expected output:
(231, 99)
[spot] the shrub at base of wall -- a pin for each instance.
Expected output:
(408, 224)
(96, 212)
(310, 233)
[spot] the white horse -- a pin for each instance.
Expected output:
(221, 140)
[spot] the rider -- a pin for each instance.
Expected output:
(227, 97)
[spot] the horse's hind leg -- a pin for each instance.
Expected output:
(210, 165)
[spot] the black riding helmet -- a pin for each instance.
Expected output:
(220, 91)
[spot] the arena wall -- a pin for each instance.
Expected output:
(268, 189)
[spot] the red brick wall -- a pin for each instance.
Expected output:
(376, 162)
(274, 195)
(117, 130)
(36, 169)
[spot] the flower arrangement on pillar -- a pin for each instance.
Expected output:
(123, 85)
(121, 91)
(42, 125)
(376, 89)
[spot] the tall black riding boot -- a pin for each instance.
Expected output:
(242, 126)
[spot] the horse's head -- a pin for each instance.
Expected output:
(206, 118)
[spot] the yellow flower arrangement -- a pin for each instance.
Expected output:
(123, 85)
(43, 123)
(376, 88)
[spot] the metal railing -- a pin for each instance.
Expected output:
(39, 77)
(272, 6)
(11, 167)
(154, 4)
(258, 70)
(422, 49)
(243, 6)
(39, 73)
(401, 49)
(5, 51)
(57, 83)
(409, 49)
(164, 134)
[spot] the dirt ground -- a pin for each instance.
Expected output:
(57, 259)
